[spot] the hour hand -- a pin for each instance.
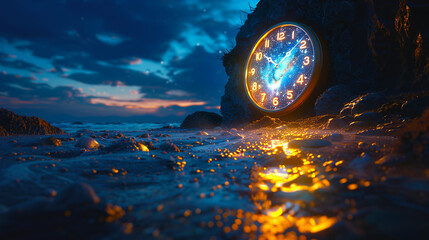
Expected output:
(270, 60)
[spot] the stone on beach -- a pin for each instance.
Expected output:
(87, 143)
(169, 147)
(361, 162)
(126, 145)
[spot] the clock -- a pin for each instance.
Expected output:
(283, 68)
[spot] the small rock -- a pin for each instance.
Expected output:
(51, 141)
(391, 159)
(169, 147)
(126, 145)
(87, 142)
(145, 135)
(202, 133)
(232, 135)
(361, 162)
(336, 137)
(309, 143)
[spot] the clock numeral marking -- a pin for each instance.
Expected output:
(300, 79)
(258, 56)
(254, 86)
(253, 71)
(289, 94)
(306, 60)
(275, 101)
(303, 44)
(280, 36)
(263, 96)
(267, 43)
(293, 35)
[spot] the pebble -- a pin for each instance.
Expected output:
(202, 133)
(361, 162)
(87, 142)
(169, 147)
(145, 135)
(309, 143)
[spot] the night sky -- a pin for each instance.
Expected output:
(117, 60)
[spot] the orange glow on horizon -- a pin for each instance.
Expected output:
(148, 104)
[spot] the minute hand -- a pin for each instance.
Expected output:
(288, 53)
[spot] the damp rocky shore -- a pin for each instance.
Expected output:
(355, 175)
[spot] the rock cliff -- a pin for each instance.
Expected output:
(12, 124)
(370, 46)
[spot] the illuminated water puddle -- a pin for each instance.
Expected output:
(288, 220)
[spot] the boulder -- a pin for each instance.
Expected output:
(332, 100)
(202, 120)
(13, 124)
(364, 103)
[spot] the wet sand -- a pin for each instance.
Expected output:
(224, 183)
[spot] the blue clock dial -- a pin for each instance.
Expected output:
(281, 66)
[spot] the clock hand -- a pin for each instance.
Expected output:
(288, 53)
(270, 60)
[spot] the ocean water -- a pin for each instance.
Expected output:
(122, 127)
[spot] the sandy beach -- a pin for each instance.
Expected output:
(223, 183)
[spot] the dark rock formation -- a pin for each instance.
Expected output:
(370, 45)
(12, 124)
(202, 120)
(332, 100)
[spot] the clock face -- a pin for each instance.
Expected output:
(283, 68)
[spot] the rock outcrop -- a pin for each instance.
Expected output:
(202, 120)
(13, 124)
(370, 45)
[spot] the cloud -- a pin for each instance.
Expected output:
(111, 38)
(112, 57)
(178, 93)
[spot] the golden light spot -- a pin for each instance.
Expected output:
(343, 180)
(352, 186)
(187, 213)
(160, 207)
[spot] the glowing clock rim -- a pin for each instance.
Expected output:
(315, 75)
